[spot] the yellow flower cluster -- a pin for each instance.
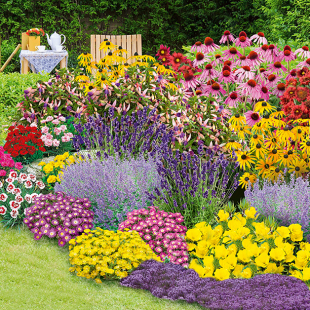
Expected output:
(266, 148)
(104, 255)
(240, 247)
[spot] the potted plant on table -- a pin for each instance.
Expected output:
(34, 38)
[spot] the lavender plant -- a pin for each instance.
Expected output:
(174, 282)
(113, 185)
(196, 190)
(288, 203)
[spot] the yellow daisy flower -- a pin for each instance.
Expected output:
(305, 146)
(263, 166)
(298, 166)
(274, 174)
(242, 130)
(274, 154)
(237, 120)
(85, 58)
(273, 141)
(107, 45)
(232, 144)
(263, 106)
(245, 159)
(299, 132)
(256, 139)
(258, 150)
(247, 179)
(82, 78)
(285, 134)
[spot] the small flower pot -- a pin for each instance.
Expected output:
(33, 42)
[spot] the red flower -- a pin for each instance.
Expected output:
(23, 152)
(297, 111)
(42, 149)
(176, 59)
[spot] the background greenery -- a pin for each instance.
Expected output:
(174, 23)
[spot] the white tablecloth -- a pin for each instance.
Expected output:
(39, 62)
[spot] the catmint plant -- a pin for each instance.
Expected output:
(288, 203)
(113, 185)
(197, 190)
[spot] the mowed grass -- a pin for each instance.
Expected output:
(34, 275)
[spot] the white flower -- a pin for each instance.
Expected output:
(33, 195)
(33, 125)
(23, 176)
(2, 210)
(16, 191)
(1, 184)
(13, 175)
(32, 177)
(14, 213)
(10, 188)
(19, 198)
(9, 180)
(28, 198)
(3, 197)
(28, 184)
(40, 184)
(14, 205)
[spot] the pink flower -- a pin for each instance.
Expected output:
(244, 73)
(227, 36)
(65, 139)
(56, 142)
(62, 119)
(45, 129)
(254, 59)
(49, 136)
(69, 134)
(279, 90)
(275, 67)
(231, 53)
(226, 76)
(57, 131)
(208, 73)
(252, 118)
(200, 59)
(197, 47)
(259, 38)
(210, 46)
(305, 63)
(243, 40)
(215, 89)
(303, 52)
(250, 88)
(2, 210)
(63, 127)
(2, 173)
(18, 166)
(49, 118)
(48, 142)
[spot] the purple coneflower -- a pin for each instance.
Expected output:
(208, 73)
(291, 75)
(226, 76)
(279, 90)
(218, 60)
(233, 99)
(241, 61)
(262, 51)
(252, 118)
(259, 38)
(250, 88)
(305, 63)
(272, 53)
(210, 46)
(264, 91)
(190, 80)
(231, 53)
(303, 52)
(200, 59)
(275, 67)
(215, 89)
(286, 54)
(244, 73)
(197, 47)
(254, 59)
(243, 41)
(227, 36)
(272, 80)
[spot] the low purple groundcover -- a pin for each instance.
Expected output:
(262, 292)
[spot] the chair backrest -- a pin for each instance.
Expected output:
(132, 43)
(25, 41)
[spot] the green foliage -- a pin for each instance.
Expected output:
(7, 48)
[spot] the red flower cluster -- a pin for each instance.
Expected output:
(23, 140)
(296, 98)
(35, 32)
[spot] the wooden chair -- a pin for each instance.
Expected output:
(131, 43)
(25, 64)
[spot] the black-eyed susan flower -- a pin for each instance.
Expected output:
(274, 154)
(109, 58)
(245, 159)
(232, 144)
(246, 179)
(278, 114)
(273, 141)
(256, 139)
(85, 58)
(266, 121)
(263, 106)
(258, 150)
(82, 78)
(259, 128)
(263, 166)
(299, 166)
(299, 132)
(100, 72)
(242, 130)
(285, 134)
(274, 174)
(285, 159)
(107, 45)
(237, 120)
(305, 145)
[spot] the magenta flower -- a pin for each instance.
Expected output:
(252, 118)
(200, 59)
(231, 53)
(227, 36)
(208, 73)
(305, 63)
(279, 90)
(275, 67)
(210, 46)
(291, 75)
(243, 40)
(197, 47)
(226, 76)
(218, 60)
(259, 38)
(244, 73)
(215, 89)
(272, 80)
(262, 51)
(272, 53)
(242, 61)
(254, 59)
(286, 55)
(233, 99)
(264, 92)
(190, 80)
(303, 52)
(250, 88)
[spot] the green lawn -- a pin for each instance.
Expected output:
(34, 275)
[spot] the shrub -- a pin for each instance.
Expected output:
(196, 190)
(7, 164)
(106, 255)
(240, 247)
(162, 231)
(16, 193)
(59, 216)
(268, 291)
(289, 202)
(24, 143)
(114, 186)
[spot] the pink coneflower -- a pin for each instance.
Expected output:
(279, 90)
(163, 51)
(305, 63)
(233, 99)
(243, 40)
(200, 59)
(226, 76)
(303, 52)
(254, 59)
(272, 53)
(250, 88)
(218, 60)
(244, 73)
(291, 75)
(242, 61)
(227, 36)
(272, 80)
(208, 73)
(210, 46)
(262, 50)
(190, 80)
(231, 53)
(264, 92)
(275, 67)
(197, 47)
(215, 89)
(259, 38)
(262, 76)
(252, 118)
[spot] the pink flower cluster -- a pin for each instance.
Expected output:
(161, 231)
(48, 137)
(7, 162)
